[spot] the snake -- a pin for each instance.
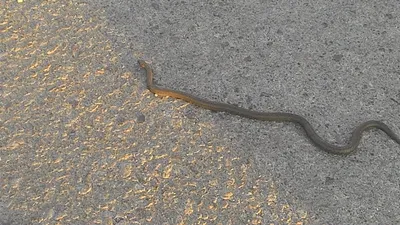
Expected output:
(269, 116)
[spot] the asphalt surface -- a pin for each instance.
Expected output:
(82, 141)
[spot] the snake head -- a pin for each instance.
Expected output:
(142, 63)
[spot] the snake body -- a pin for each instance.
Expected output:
(270, 116)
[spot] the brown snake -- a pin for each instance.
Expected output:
(271, 116)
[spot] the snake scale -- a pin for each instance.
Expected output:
(270, 116)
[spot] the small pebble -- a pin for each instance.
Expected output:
(140, 118)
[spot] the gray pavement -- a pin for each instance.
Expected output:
(82, 141)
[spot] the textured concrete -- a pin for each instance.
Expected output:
(82, 141)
